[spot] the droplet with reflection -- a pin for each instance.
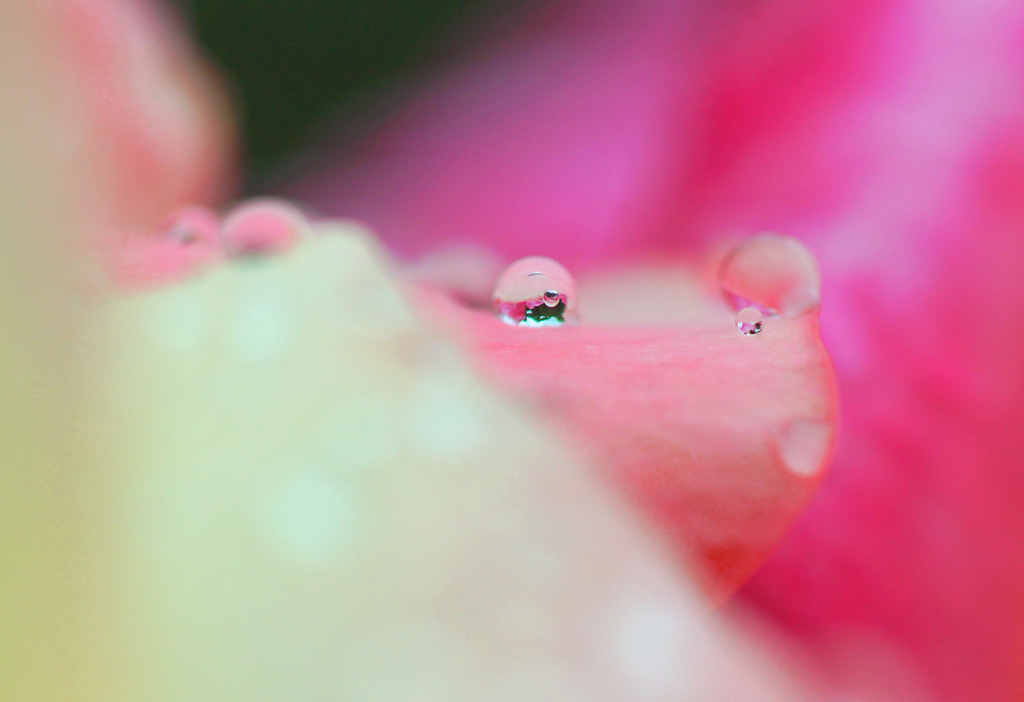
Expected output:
(774, 274)
(749, 321)
(536, 291)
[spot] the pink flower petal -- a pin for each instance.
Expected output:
(187, 241)
(528, 150)
(720, 438)
(154, 123)
(884, 134)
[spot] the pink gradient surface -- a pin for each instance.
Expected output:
(152, 112)
(887, 136)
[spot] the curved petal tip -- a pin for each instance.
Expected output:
(721, 437)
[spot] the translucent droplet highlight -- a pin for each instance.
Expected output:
(262, 226)
(195, 225)
(775, 274)
(803, 446)
(749, 320)
(536, 291)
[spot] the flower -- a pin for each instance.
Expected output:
(620, 128)
(887, 136)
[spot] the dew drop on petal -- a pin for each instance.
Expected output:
(193, 225)
(262, 226)
(749, 320)
(775, 274)
(536, 291)
(803, 446)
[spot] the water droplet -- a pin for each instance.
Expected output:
(193, 225)
(182, 235)
(803, 446)
(262, 226)
(536, 291)
(749, 320)
(772, 273)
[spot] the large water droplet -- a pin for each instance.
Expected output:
(749, 320)
(775, 274)
(536, 291)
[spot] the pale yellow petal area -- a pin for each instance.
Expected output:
(284, 487)
(37, 386)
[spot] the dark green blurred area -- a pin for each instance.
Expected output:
(295, 63)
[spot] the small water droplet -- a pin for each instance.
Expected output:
(182, 235)
(775, 274)
(749, 320)
(536, 291)
(193, 225)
